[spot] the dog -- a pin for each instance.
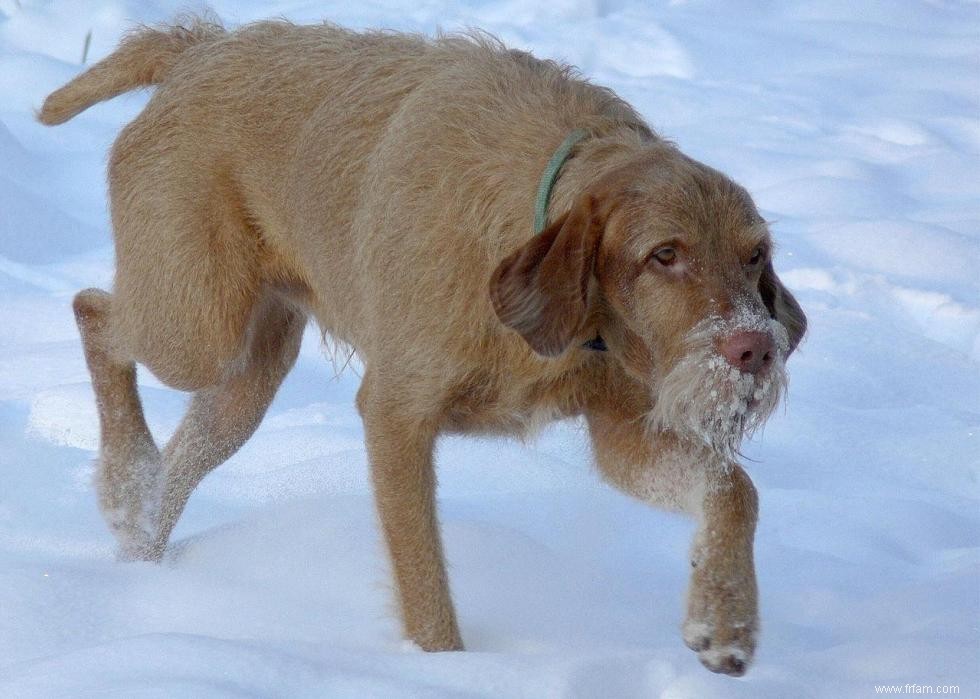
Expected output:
(383, 184)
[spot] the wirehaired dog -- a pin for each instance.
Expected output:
(383, 184)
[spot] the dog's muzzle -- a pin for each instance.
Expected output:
(728, 383)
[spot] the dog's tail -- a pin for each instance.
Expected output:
(145, 57)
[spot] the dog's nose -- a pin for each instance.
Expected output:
(749, 351)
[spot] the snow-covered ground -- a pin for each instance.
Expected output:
(857, 128)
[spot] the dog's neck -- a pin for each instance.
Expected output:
(547, 183)
(550, 176)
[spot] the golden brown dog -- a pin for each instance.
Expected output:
(384, 185)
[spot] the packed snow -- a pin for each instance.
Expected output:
(856, 126)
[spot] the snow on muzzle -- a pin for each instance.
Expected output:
(706, 399)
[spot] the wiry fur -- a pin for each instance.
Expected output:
(709, 401)
(383, 184)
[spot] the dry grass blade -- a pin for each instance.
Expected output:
(85, 46)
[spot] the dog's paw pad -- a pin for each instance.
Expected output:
(728, 660)
(729, 654)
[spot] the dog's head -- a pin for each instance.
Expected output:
(671, 263)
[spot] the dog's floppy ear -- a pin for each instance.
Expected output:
(541, 289)
(782, 306)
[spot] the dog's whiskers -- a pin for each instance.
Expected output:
(705, 399)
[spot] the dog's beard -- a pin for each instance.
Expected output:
(706, 400)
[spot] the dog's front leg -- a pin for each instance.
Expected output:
(400, 446)
(722, 609)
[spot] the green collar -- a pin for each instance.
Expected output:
(550, 175)
(547, 183)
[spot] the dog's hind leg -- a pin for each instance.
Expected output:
(128, 476)
(222, 417)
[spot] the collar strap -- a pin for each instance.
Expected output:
(547, 183)
(550, 175)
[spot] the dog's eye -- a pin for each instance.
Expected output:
(757, 256)
(665, 256)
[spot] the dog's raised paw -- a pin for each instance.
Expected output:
(91, 305)
(727, 660)
(727, 653)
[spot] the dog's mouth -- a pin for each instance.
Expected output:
(707, 400)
